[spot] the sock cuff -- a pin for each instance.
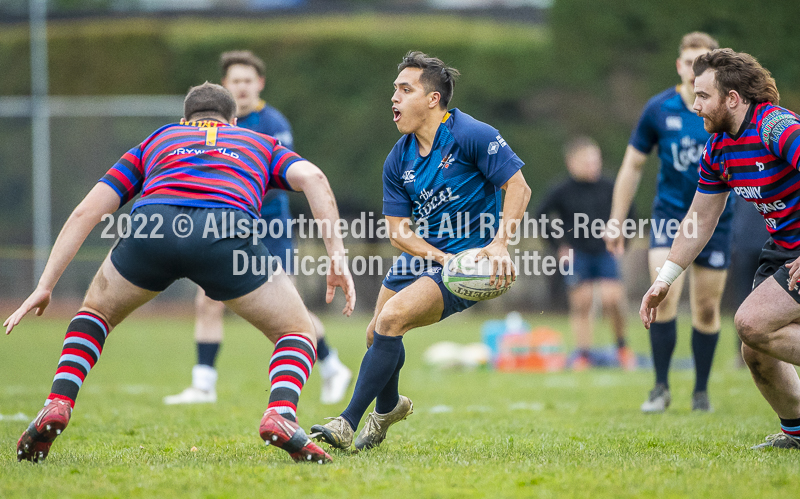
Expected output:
(696, 332)
(791, 426)
(389, 341)
(88, 319)
(299, 343)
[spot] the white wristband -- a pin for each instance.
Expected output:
(669, 272)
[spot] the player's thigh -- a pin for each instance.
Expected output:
(668, 308)
(705, 293)
(208, 327)
(768, 308)
(612, 292)
(383, 296)
(581, 297)
(113, 297)
(417, 305)
(275, 308)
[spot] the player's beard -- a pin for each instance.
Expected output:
(719, 120)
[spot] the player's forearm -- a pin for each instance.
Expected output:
(627, 183)
(402, 237)
(100, 201)
(518, 194)
(704, 213)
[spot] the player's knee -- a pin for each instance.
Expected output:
(749, 330)
(391, 321)
(707, 313)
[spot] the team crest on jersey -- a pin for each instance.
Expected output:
(447, 161)
(674, 123)
(408, 176)
(726, 174)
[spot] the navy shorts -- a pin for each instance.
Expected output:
(772, 263)
(406, 271)
(155, 263)
(591, 267)
(716, 254)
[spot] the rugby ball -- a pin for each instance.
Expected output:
(468, 279)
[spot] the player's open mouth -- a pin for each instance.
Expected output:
(396, 114)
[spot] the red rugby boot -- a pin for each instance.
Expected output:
(35, 442)
(287, 435)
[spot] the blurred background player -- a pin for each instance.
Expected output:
(243, 74)
(669, 123)
(587, 192)
(446, 163)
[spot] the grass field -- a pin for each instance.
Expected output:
(473, 434)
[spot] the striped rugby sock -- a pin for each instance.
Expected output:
(83, 345)
(289, 369)
(791, 427)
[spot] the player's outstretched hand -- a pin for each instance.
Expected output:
(794, 274)
(503, 272)
(339, 276)
(654, 296)
(39, 300)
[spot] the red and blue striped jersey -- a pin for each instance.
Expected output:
(760, 163)
(204, 164)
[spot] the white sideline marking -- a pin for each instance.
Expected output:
(16, 417)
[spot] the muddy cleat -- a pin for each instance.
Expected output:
(337, 433)
(287, 435)
(374, 431)
(658, 401)
(700, 402)
(35, 442)
(779, 441)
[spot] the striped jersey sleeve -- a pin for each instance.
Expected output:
(126, 176)
(711, 173)
(282, 159)
(779, 130)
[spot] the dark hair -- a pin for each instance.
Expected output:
(698, 40)
(228, 59)
(577, 143)
(209, 100)
(436, 75)
(740, 72)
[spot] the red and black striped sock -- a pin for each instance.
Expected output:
(83, 345)
(289, 370)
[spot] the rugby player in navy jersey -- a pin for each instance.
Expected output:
(192, 176)
(447, 169)
(669, 123)
(755, 151)
(243, 74)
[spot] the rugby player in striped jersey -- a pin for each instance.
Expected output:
(755, 151)
(194, 175)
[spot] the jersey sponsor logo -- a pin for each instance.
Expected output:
(408, 176)
(760, 166)
(770, 207)
(749, 192)
(493, 148)
(674, 123)
(447, 161)
(774, 125)
(431, 201)
(501, 141)
(686, 154)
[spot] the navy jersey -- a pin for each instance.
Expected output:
(269, 121)
(760, 163)
(447, 191)
(679, 134)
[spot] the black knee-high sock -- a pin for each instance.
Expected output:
(83, 344)
(322, 349)
(663, 336)
(207, 353)
(376, 370)
(703, 347)
(388, 397)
